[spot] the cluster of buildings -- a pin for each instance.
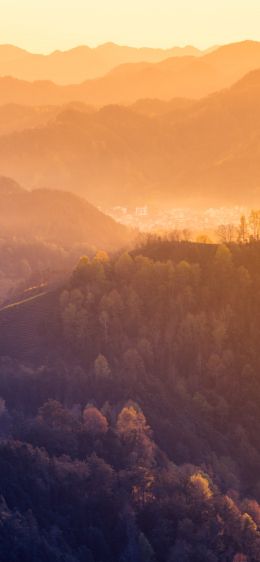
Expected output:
(152, 219)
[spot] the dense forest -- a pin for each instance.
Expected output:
(130, 433)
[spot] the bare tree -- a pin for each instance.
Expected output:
(226, 233)
(242, 230)
(254, 222)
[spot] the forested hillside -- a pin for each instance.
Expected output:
(133, 434)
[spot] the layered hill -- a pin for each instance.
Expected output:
(80, 63)
(55, 217)
(187, 76)
(15, 117)
(204, 151)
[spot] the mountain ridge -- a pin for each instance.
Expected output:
(81, 62)
(191, 77)
(180, 151)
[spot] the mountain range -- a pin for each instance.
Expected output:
(187, 76)
(183, 151)
(80, 63)
(180, 130)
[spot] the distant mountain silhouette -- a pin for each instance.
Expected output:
(56, 217)
(80, 63)
(202, 151)
(187, 76)
(15, 117)
(156, 107)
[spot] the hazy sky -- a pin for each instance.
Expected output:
(45, 25)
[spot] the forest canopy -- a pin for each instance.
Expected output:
(136, 438)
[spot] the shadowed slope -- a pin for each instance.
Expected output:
(57, 217)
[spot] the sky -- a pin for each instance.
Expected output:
(47, 25)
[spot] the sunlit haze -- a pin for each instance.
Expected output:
(62, 24)
(129, 280)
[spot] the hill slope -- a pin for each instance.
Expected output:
(57, 217)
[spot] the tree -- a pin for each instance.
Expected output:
(200, 486)
(81, 272)
(254, 222)
(54, 415)
(226, 233)
(101, 256)
(101, 368)
(95, 422)
(124, 267)
(203, 239)
(242, 230)
(223, 267)
(135, 432)
(253, 508)
(131, 422)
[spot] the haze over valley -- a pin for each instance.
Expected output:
(181, 151)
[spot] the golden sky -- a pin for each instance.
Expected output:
(46, 25)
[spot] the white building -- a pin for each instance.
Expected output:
(141, 211)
